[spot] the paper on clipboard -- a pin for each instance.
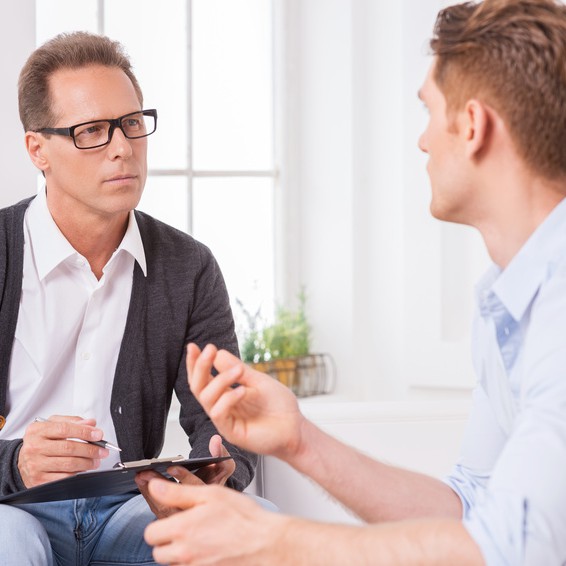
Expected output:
(106, 482)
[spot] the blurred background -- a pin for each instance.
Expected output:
(287, 143)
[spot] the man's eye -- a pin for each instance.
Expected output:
(91, 130)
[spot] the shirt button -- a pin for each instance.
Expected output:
(86, 356)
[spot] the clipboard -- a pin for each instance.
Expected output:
(106, 482)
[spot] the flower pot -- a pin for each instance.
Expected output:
(313, 374)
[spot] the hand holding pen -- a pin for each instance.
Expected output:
(101, 443)
(59, 447)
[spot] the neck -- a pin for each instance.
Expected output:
(520, 209)
(94, 236)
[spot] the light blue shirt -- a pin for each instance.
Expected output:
(511, 476)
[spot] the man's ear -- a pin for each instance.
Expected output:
(34, 145)
(477, 127)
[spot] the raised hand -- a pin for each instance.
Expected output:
(260, 414)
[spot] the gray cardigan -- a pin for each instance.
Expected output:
(182, 299)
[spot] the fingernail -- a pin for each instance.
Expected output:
(176, 472)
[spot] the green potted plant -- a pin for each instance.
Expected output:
(277, 347)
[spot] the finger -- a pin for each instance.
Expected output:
(220, 472)
(65, 465)
(73, 418)
(225, 360)
(217, 473)
(143, 478)
(216, 448)
(200, 368)
(173, 552)
(193, 352)
(177, 495)
(68, 449)
(57, 428)
(158, 534)
(223, 407)
(182, 475)
(218, 386)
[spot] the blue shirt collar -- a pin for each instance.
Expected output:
(517, 285)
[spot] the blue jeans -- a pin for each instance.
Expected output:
(99, 531)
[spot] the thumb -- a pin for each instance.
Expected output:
(176, 495)
(224, 360)
(216, 447)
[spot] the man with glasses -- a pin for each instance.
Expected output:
(97, 302)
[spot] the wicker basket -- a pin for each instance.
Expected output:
(314, 374)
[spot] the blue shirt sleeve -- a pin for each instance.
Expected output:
(512, 484)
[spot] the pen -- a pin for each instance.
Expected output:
(101, 443)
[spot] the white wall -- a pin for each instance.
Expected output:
(17, 40)
(390, 289)
(423, 437)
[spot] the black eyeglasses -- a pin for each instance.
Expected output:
(89, 135)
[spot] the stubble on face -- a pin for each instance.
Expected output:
(102, 182)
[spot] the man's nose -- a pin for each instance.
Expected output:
(422, 143)
(119, 143)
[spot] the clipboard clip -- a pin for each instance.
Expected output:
(148, 462)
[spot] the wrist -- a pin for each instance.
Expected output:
(300, 450)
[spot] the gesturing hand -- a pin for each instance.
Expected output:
(260, 415)
(217, 526)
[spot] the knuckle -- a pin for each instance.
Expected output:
(63, 429)
(68, 447)
(69, 465)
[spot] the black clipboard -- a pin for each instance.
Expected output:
(105, 482)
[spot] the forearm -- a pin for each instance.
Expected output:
(374, 491)
(439, 542)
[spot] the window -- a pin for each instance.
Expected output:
(207, 66)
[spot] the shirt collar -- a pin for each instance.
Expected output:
(133, 244)
(517, 285)
(51, 248)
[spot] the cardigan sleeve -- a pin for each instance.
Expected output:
(211, 322)
(11, 266)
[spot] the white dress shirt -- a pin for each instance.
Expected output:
(511, 476)
(70, 327)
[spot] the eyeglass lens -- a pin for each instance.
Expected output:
(98, 133)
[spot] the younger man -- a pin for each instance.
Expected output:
(496, 141)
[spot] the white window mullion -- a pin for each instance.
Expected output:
(100, 16)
